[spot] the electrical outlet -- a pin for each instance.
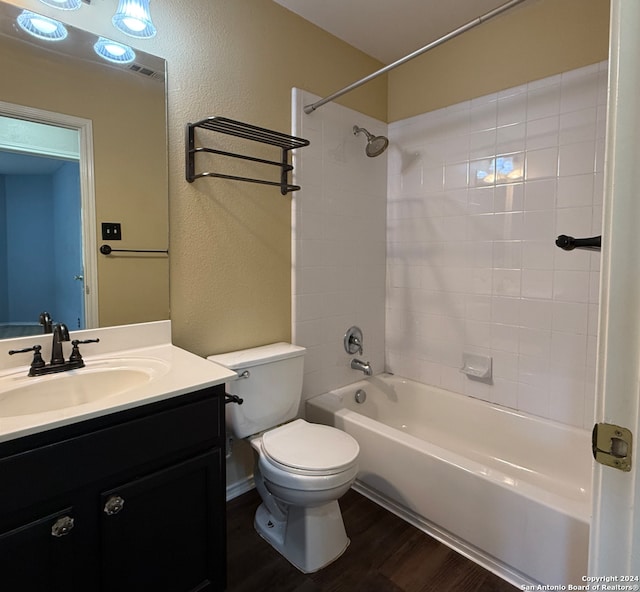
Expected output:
(111, 231)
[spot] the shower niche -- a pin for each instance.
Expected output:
(245, 131)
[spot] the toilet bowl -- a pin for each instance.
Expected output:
(300, 515)
(301, 469)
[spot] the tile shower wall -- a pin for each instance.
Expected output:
(339, 252)
(477, 194)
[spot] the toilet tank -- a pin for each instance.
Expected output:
(270, 384)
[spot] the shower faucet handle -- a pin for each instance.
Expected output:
(353, 340)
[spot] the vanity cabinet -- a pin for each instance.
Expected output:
(131, 501)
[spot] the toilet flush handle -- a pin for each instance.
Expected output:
(234, 398)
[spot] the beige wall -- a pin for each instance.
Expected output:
(536, 39)
(128, 114)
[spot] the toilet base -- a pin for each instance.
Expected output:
(309, 538)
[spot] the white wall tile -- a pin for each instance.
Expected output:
(578, 126)
(482, 143)
(536, 314)
(579, 89)
(340, 220)
(577, 159)
(571, 286)
(456, 175)
(543, 101)
(537, 254)
(541, 163)
(520, 285)
(537, 283)
(505, 310)
(511, 138)
(575, 191)
(540, 195)
(570, 317)
(542, 133)
(533, 399)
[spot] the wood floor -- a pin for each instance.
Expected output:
(385, 555)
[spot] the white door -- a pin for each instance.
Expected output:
(615, 532)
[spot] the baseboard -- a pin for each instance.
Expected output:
(239, 487)
(488, 562)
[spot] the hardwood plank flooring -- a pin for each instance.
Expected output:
(386, 554)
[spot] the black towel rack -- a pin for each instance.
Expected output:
(568, 243)
(107, 250)
(249, 132)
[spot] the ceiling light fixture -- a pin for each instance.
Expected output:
(134, 19)
(114, 52)
(41, 27)
(63, 4)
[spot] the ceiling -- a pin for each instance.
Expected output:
(390, 29)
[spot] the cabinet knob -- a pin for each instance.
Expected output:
(114, 505)
(62, 526)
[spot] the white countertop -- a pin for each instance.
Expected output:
(183, 372)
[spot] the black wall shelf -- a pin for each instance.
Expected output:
(239, 129)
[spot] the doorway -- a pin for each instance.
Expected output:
(47, 221)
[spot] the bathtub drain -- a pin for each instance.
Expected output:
(361, 396)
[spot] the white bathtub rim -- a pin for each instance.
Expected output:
(363, 383)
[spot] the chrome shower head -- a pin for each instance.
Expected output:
(376, 145)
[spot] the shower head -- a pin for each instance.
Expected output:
(376, 145)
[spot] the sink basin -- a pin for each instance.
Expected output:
(24, 395)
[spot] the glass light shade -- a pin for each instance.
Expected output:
(114, 52)
(134, 19)
(63, 4)
(41, 27)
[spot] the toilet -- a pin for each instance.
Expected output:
(301, 469)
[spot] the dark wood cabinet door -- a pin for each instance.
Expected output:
(40, 556)
(166, 531)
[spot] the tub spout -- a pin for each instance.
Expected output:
(362, 366)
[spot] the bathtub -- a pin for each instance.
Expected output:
(509, 490)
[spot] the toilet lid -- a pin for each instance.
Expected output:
(310, 447)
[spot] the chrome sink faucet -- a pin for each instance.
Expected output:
(365, 367)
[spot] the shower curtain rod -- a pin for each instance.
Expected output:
(481, 19)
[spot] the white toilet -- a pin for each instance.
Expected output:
(302, 468)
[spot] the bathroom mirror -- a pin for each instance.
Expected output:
(118, 112)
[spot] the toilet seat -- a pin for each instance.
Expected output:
(309, 449)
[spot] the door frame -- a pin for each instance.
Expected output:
(614, 548)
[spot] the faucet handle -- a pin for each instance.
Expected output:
(75, 351)
(37, 361)
(353, 340)
(76, 356)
